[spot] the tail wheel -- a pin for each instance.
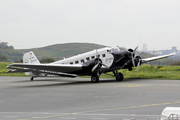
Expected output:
(95, 78)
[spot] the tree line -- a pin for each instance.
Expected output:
(9, 54)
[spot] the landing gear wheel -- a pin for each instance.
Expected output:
(94, 79)
(32, 78)
(119, 76)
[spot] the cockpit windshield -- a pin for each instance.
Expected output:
(114, 49)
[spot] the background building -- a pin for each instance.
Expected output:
(144, 47)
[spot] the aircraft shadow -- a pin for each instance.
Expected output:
(70, 82)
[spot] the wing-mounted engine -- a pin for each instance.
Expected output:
(93, 65)
(135, 62)
(127, 59)
(121, 58)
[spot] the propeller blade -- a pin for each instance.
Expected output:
(138, 65)
(135, 49)
(104, 65)
(94, 68)
(133, 60)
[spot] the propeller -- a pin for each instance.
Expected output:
(132, 52)
(99, 63)
(136, 60)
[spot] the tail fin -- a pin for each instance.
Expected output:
(30, 58)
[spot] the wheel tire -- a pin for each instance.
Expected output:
(32, 78)
(94, 79)
(120, 77)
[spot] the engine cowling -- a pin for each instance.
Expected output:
(129, 64)
(93, 64)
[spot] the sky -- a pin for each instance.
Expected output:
(126, 23)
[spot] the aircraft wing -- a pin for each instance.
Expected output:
(157, 57)
(64, 68)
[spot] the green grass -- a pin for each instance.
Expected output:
(144, 72)
(152, 72)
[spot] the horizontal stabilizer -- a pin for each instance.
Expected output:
(17, 71)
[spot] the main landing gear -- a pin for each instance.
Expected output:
(119, 76)
(95, 76)
(32, 78)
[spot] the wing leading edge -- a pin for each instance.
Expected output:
(156, 58)
(51, 67)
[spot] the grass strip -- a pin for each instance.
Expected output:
(144, 72)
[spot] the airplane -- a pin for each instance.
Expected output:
(93, 63)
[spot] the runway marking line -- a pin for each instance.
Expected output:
(130, 107)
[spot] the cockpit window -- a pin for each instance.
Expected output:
(112, 50)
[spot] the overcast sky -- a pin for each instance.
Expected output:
(127, 23)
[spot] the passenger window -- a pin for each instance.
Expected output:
(97, 55)
(82, 61)
(71, 62)
(92, 57)
(103, 55)
(77, 62)
(87, 58)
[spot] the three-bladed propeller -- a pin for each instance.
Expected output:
(132, 52)
(99, 63)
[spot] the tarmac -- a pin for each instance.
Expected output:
(57, 98)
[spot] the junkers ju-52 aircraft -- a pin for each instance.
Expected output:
(93, 63)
